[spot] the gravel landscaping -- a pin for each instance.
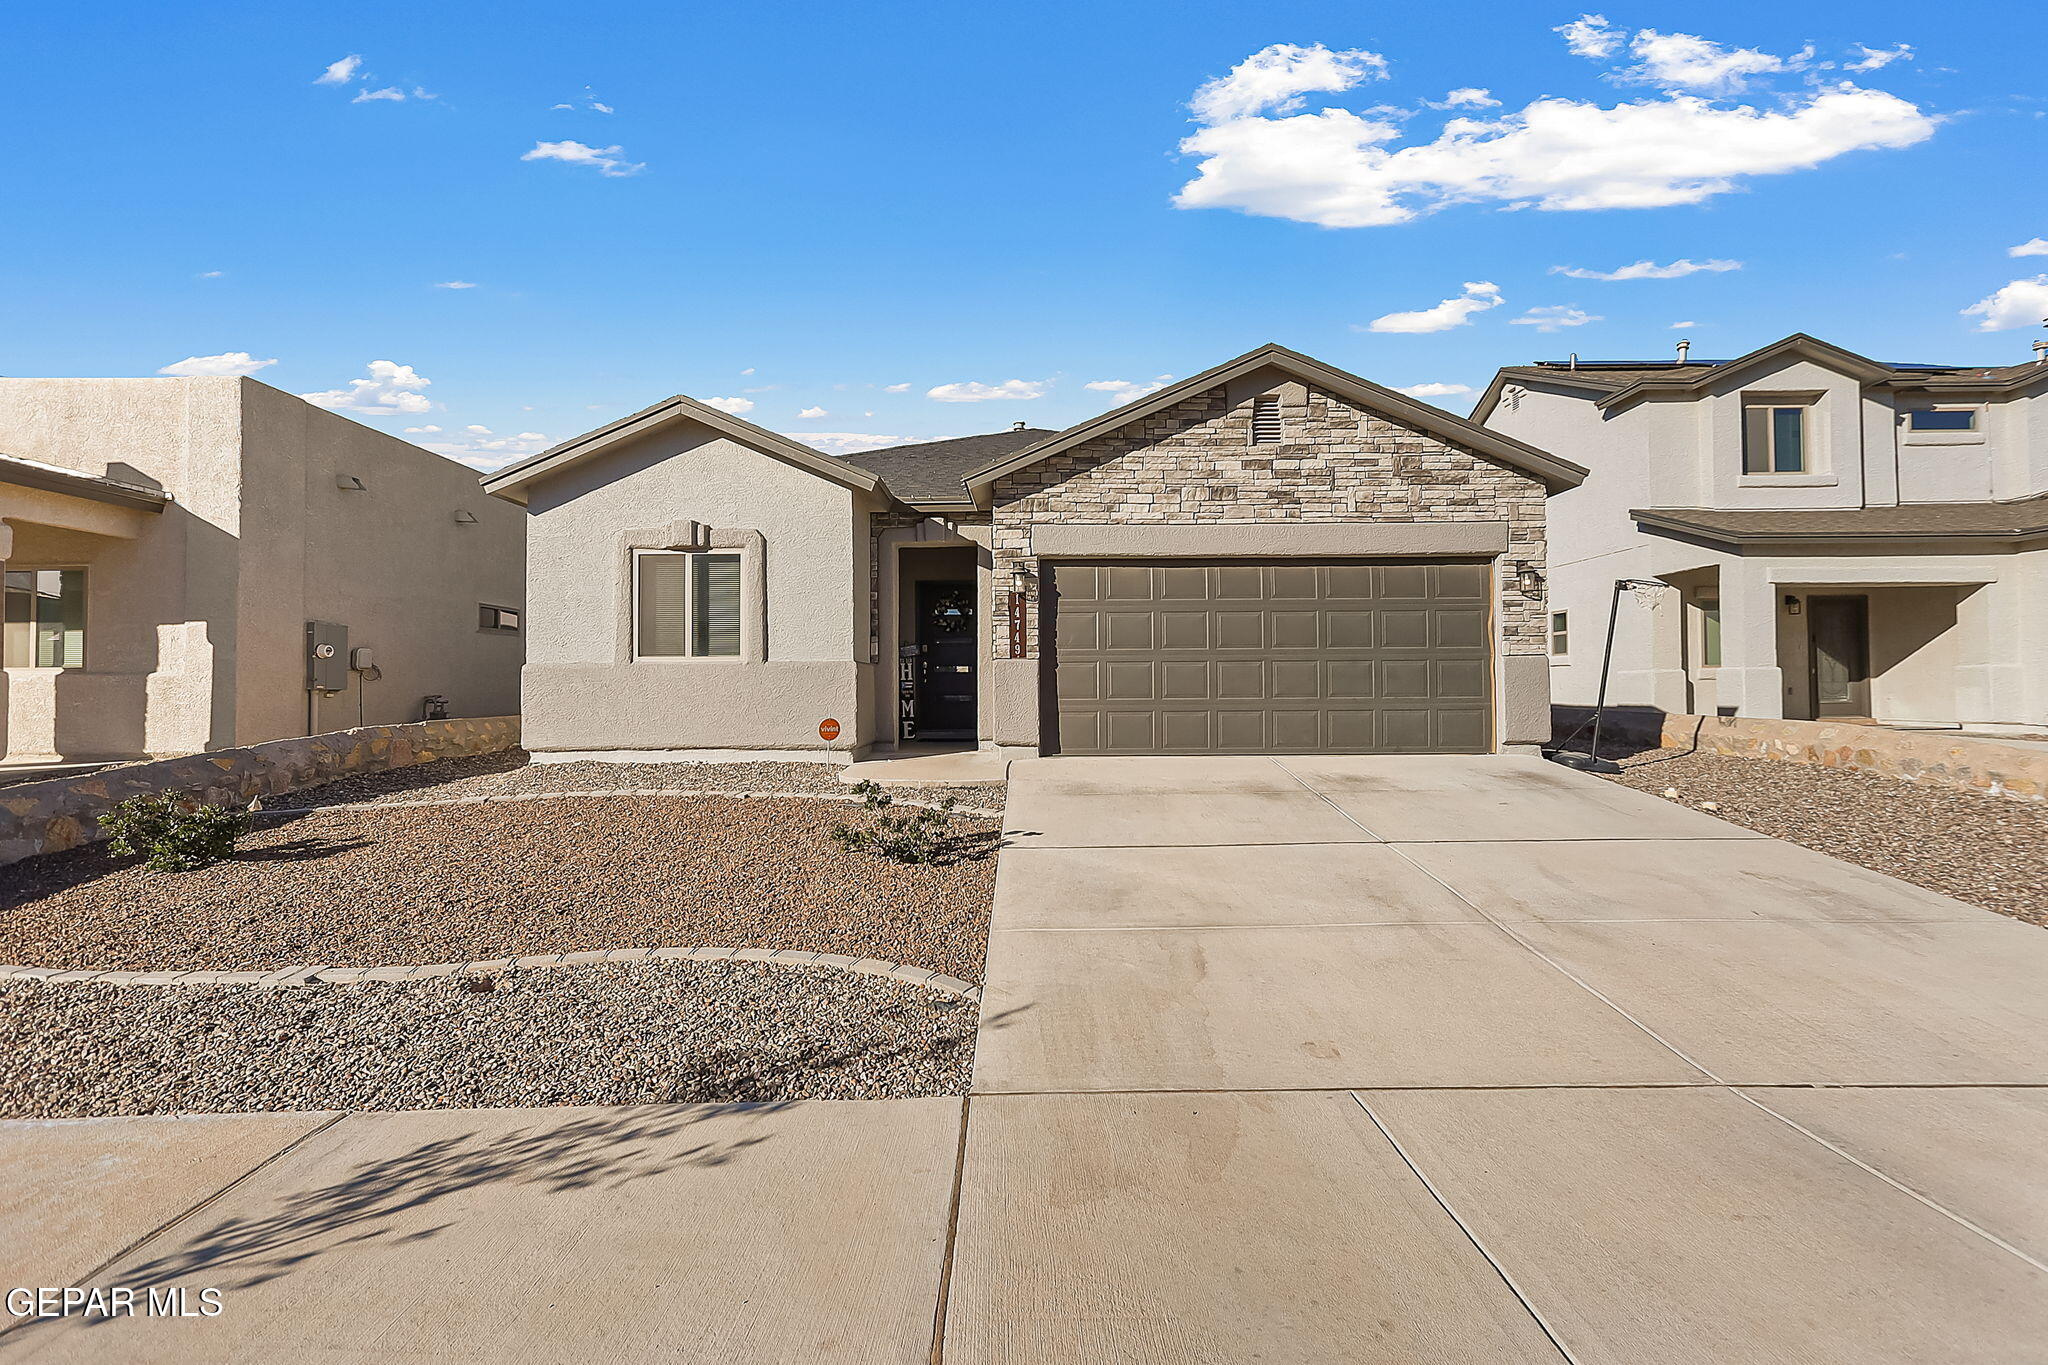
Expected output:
(512, 774)
(658, 1032)
(364, 888)
(1986, 850)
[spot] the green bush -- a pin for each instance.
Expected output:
(920, 835)
(173, 832)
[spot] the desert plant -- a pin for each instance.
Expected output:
(919, 835)
(172, 831)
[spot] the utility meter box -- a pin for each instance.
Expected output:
(326, 656)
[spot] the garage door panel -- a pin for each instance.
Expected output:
(1290, 657)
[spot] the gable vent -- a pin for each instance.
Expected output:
(1266, 420)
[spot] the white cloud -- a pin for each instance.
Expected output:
(1589, 36)
(1127, 389)
(341, 72)
(970, 392)
(1680, 326)
(391, 388)
(896, 388)
(1435, 390)
(456, 284)
(1466, 97)
(609, 161)
(1338, 168)
(844, 442)
(1647, 270)
(736, 406)
(748, 370)
(1273, 80)
(216, 274)
(1877, 58)
(808, 413)
(1554, 318)
(1479, 296)
(429, 429)
(420, 94)
(2037, 247)
(481, 448)
(1686, 61)
(389, 92)
(2022, 303)
(587, 100)
(227, 362)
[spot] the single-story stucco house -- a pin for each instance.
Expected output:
(1273, 556)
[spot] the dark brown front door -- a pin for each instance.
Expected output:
(1286, 657)
(945, 659)
(1839, 628)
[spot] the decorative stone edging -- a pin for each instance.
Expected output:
(304, 975)
(973, 812)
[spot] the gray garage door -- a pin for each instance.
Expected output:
(1343, 657)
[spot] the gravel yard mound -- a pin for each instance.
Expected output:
(1986, 850)
(365, 888)
(512, 774)
(657, 1032)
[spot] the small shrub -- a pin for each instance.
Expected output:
(173, 832)
(921, 834)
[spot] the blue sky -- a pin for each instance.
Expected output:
(841, 209)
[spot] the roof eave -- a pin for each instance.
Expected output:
(91, 487)
(1720, 536)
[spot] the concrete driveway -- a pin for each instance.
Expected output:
(1398, 1059)
(1373, 1061)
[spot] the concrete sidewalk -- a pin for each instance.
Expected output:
(1374, 1060)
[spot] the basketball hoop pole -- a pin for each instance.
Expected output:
(1593, 762)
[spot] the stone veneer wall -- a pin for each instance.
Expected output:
(1936, 758)
(880, 523)
(1194, 463)
(51, 816)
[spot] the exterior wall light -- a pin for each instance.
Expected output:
(1529, 581)
(463, 518)
(1792, 605)
(348, 483)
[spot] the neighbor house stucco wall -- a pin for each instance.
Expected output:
(584, 690)
(1193, 465)
(195, 620)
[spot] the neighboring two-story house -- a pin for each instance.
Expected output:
(1837, 538)
(166, 541)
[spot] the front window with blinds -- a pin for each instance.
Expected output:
(686, 605)
(1266, 430)
(45, 618)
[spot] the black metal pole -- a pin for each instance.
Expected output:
(1606, 662)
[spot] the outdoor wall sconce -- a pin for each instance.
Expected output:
(1792, 605)
(463, 518)
(348, 483)
(1529, 581)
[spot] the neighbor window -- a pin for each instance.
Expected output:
(1560, 634)
(688, 605)
(1266, 429)
(1710, 632)
(502, 619)
(1942, 419)
(1774, 439)
(45, 618)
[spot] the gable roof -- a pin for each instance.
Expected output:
(934, 472)
(1614, 384)
(1556, 473)
(512, 483)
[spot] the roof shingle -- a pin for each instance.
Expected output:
(936, 471)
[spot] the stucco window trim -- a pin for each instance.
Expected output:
(683, 535)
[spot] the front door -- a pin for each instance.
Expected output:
(945, 659)
(1840, 633)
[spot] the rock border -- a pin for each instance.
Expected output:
(309, 974)
(972, 812)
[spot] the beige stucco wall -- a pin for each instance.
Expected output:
(582, 688)
(195, 625)
(1192, 465)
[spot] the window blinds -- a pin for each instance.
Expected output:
(715, 614)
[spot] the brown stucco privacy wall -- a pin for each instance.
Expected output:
(1193, 464)
(49, 817)
(1930, 757)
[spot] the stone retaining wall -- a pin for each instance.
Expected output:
(61, 813)
(1939, 758)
